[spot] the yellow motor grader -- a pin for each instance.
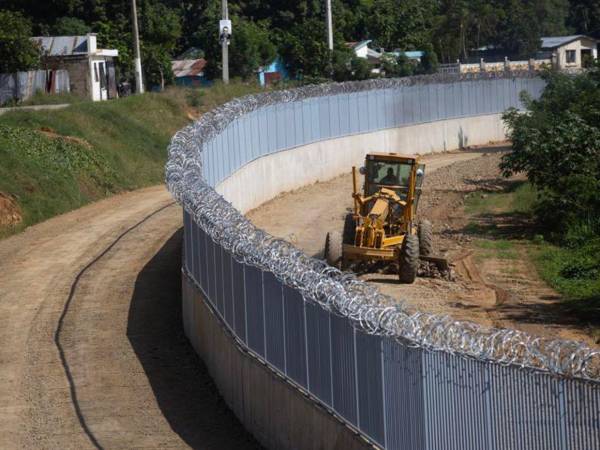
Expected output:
(382, 226)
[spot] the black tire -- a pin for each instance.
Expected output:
(349, 229)
(333, 249)
(409, 259)
(425, 238)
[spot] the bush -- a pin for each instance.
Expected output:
(556, 142)
(17, 51)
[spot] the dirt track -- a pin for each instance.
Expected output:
(107, 366)
(493, 292)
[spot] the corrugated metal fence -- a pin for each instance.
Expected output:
(398, 396)
(22, 86)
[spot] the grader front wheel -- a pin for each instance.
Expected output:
(333, 249)
(409, 259)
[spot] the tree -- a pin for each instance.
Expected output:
(17, 51)
(557, 144)
(70, 26)
(251, 47)
(397, 66)
(160, 28)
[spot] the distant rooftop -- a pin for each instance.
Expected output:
(63, 45)
(359, 44)
(72, 46)
(559, 41)
(188, 67)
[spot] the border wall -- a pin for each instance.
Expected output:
(308, 357)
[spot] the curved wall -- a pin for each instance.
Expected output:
(266, 177)
(280, 331)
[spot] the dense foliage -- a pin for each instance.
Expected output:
(557, 144)
(17, 51)
(445, 29)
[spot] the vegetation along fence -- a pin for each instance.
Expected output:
(403, 380)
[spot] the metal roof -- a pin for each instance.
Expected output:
(188, 67)
(357, 45)
(63, 45)
(559, 41)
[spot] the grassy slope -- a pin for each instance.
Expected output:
(122, 147)
(572, 271)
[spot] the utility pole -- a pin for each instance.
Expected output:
(225, 32)
(139, 83)
(329, 25)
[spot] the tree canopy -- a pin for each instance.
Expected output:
(557, 144)
(17, 51)
(445, 29)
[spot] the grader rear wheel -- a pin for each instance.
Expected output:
(409, 259)
(333, 249)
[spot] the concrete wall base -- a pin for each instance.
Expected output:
(268, 176)
(274, 411)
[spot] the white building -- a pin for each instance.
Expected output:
(91, 69)
(362, 50)
(570, 52)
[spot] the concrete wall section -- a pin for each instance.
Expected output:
(267, 176)
(278, 414)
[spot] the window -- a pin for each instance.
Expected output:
(571, 56)
(388, 173)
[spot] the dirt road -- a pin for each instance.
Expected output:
(491, 291)
(92, 353)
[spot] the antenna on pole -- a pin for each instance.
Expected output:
(224, 36)
(139, 82)
(329, 25)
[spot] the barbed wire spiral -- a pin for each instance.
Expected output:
(340, 292)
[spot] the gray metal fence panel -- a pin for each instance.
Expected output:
(370, 385)
(454, 402)
(526, 409)
(319, 352)
(403, 387)
(255, 310)
(228, 299)
(581, 409)
(239, 299)
(195, 248)
(187, 244)
(295, 336)
(219, 279)
(212, 271)
(274, 325)
(400, 397)
(343, 369)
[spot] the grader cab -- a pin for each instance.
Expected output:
(383, 225)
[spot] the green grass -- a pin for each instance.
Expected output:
(497, 248)
(55, 161)
(519, 198)
(573, 270)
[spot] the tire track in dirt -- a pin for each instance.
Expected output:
(138, 381)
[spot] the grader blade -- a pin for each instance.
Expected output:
(441, 263)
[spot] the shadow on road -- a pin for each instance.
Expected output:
(186, 394)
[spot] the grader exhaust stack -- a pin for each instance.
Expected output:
(383, 226)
